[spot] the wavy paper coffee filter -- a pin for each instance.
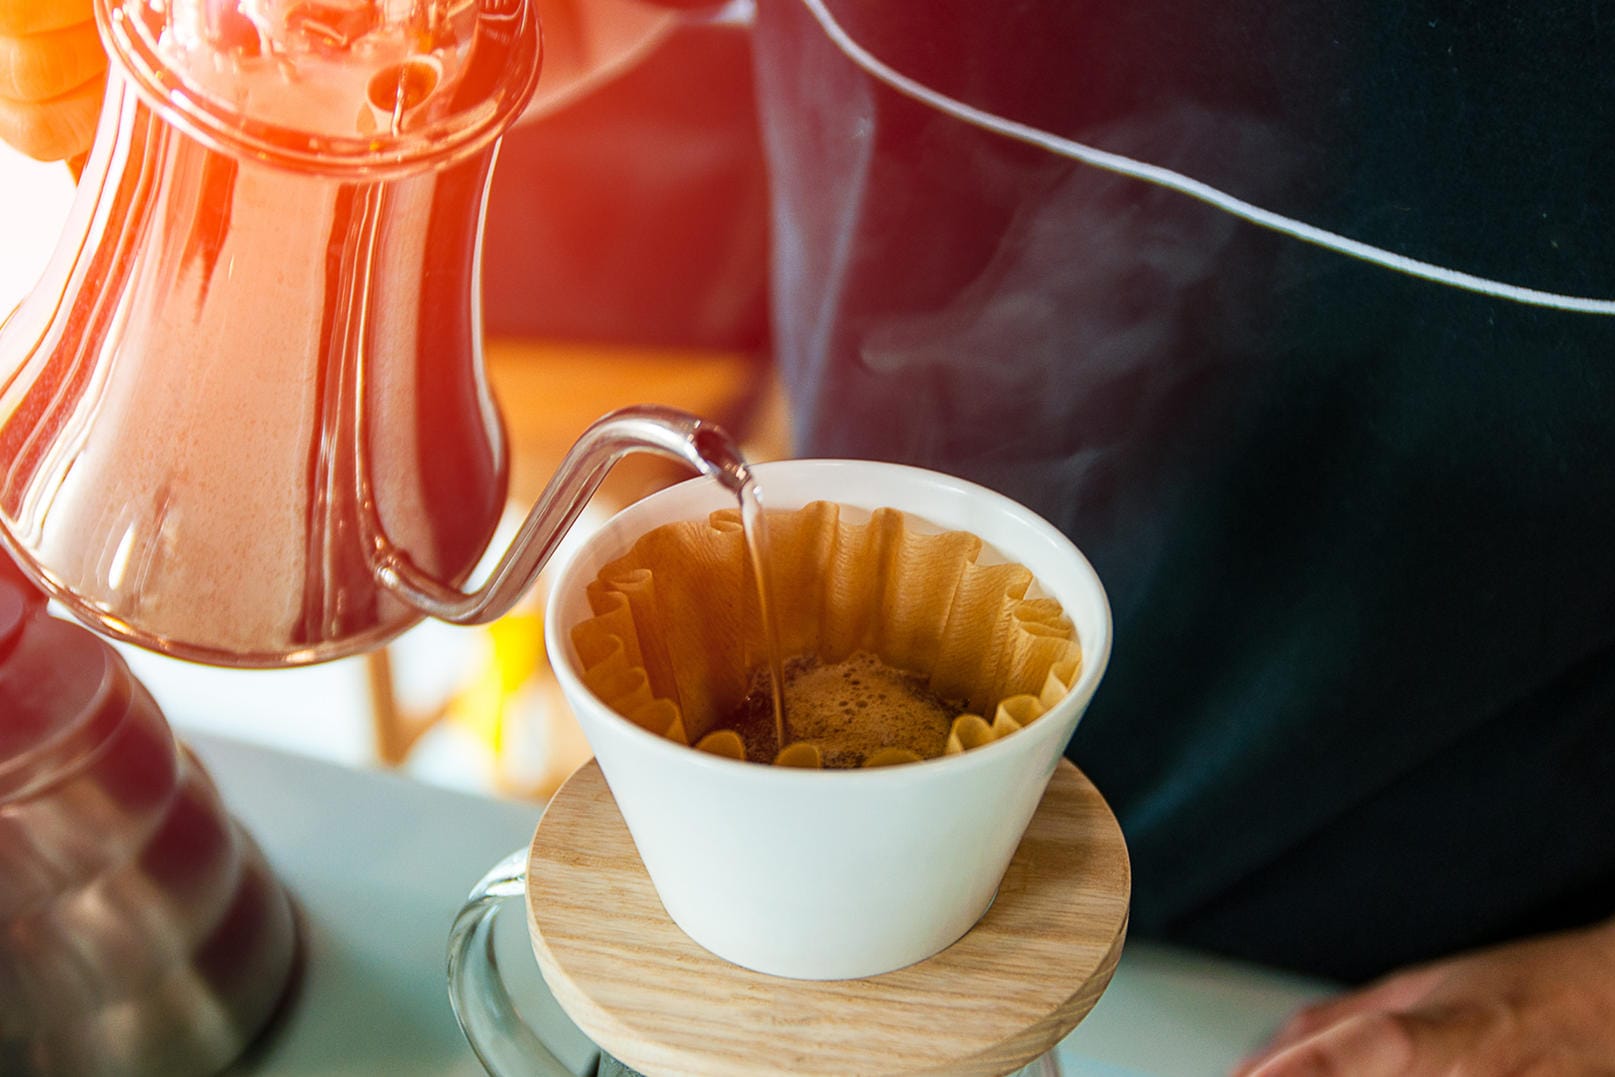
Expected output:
(676, 632)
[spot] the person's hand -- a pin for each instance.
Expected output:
(52, 75)
(1544, 1006)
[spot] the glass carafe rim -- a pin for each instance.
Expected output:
(447, 139)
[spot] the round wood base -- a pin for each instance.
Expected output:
(1001, 996)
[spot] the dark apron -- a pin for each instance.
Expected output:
(1358, 529)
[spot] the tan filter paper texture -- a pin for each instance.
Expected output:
(676, 632)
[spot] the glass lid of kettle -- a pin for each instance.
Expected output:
(363, 87)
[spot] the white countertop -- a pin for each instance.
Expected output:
(379, 864)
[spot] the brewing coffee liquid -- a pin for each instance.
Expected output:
(850, 710)
(754, 523)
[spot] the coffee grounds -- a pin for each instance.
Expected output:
(850, 709)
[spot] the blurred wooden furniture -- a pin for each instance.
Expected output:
(550, 393)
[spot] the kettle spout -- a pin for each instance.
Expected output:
(705, 447)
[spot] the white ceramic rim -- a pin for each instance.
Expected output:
(1095, 653)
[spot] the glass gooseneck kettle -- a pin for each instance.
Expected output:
(243, 418)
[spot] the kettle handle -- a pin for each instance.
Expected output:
(704, 446)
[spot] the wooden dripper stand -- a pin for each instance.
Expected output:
(994, 1002)
(955, 913)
